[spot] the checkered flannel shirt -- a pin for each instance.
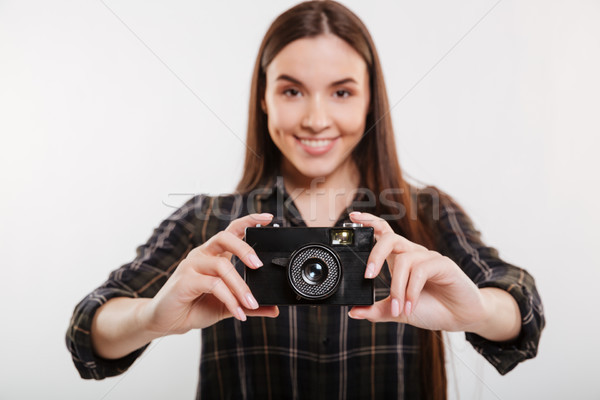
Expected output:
(308, 352)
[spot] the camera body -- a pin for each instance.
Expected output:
(317, 266)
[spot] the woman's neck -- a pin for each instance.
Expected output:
(321, 200)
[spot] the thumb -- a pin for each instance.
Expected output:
(378, 312)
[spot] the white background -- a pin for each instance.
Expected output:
(113, 113)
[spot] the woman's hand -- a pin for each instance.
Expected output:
(206, 288)
(430, 291)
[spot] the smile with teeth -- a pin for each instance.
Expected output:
(316, 143)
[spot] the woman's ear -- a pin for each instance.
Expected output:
(263, 105)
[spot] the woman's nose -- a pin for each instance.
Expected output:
(316, 117)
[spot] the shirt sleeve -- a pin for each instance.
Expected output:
(459, 240)
(155, 261)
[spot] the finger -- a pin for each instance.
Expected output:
(381, 228)
(227, 242)
(264, 311)
(238, 226)
(216, 287)
(378, 312)
(419, 275)
(222, 268)
(388, 243)
(379, 225)
(400, 274)
(379, 253)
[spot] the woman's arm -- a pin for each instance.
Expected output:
(469, 289)
(503, 321)
(111, 326)
(431, 291)
(120, 326)
(204, 289)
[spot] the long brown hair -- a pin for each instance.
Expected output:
(380, 169)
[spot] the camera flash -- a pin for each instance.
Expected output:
(343, 237)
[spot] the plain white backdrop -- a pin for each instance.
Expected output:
(113, 113)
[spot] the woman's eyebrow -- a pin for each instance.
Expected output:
(345, 80)
(297, 82)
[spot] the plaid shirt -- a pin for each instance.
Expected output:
(308, 352)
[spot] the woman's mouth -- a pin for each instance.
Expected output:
(316, 146)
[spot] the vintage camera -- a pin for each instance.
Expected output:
(323, 266)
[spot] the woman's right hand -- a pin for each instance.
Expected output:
(206, 288)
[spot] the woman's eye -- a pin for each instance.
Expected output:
(291, 92)
(342, 93)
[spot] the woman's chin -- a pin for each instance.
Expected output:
(319, 169)
(313, 173)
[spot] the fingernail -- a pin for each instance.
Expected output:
(408, 308)
(241, 315)
(370, 272)
(355, 213)
(395, 308)
(254, 260)
(265, 215)
(251, 301)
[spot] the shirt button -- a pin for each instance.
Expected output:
(325, 341)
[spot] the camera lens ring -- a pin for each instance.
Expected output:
(325, 281)
(314, 271)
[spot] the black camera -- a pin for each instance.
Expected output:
(324, 266)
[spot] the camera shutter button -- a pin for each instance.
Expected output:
(352, 225)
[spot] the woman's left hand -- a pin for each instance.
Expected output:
(428, 290)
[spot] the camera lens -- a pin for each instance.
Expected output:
(314, 272)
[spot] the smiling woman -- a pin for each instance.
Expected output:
(316, 99)
(318, 124)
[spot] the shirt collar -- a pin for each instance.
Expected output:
(276, 200)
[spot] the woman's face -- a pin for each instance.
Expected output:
(316, 100)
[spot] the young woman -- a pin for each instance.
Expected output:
(321, 152)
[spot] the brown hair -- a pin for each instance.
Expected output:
(380, 170)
